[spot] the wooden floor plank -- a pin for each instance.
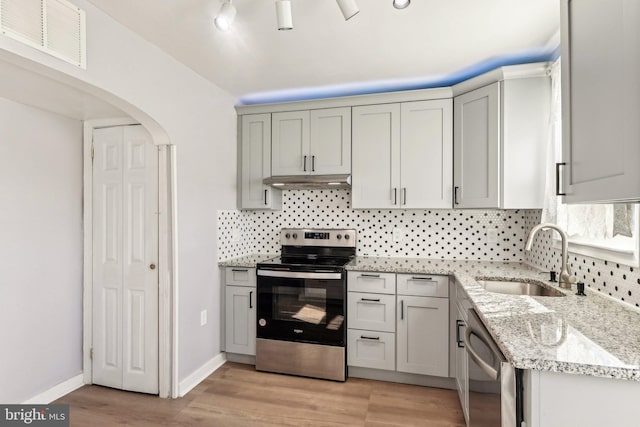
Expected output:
(238, 395)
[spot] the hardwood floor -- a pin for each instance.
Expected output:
(237, 395)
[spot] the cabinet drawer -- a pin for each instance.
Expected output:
(371, 349)
(364, 281)
(371, 311)
(426, 285)
(240, 276)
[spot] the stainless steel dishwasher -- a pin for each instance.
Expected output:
(494, 385)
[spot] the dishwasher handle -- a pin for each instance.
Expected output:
(491, 371)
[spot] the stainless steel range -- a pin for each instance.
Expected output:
(301, 309)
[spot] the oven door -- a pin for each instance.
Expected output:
(301, 306)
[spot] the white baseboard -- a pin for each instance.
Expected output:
(56, 392)
(187, 384)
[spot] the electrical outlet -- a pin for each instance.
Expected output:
(398, 234)
(203, 317)
(492, 235)
(236, 235)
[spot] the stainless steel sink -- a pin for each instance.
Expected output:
(513, 287)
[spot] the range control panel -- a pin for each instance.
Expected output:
(318, 237)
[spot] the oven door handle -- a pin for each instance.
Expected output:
(300, 275)
(492, 372)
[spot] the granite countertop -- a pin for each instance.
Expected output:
(247, 261)
(591, 335)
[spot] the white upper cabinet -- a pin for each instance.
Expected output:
(290, 143)
(255, 154)
(402, 155)
(477, 148)
(601, 129)
(330, 145)
(500, 134)
(376, 156)
(316, 142)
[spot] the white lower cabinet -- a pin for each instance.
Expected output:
(404, 331)
(423, 335)
(241, 320)
(371, 349)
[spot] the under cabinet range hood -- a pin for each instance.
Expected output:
(309, 182)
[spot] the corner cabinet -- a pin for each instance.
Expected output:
(240, 319)
(311, 142)
(255, 147)
(499, 144)
(402, 155)
(600, 126)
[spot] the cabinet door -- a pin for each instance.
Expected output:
(256, 164)
(476, 148)
(330, 141)
(426, 170)
(376, 157)
(241, 320)
(600, 122)
(423, 335)
(290, 144)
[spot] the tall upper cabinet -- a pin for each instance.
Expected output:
(600, 100)
(255, 165)
(315, 142)
(499, 140)
(402, 155)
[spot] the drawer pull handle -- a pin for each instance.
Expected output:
(426, 279)
(370, 299)
(251, 299)
(401, 309)
(459, 340)
(369, 338)
(240, 270)
(377, 276)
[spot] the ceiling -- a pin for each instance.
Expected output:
(378, 49)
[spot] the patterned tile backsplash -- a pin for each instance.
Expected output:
(439, 234)
(616, 280)
(442, 234)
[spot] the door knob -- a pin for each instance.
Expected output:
(152, 266)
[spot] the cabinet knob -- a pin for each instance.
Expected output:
(152, 266)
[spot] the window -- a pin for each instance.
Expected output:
(604, 231)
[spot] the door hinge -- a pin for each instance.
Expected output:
(91, 353)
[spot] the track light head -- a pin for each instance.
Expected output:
(401, 4)
(349, 8)
(283, 15)
(226, 16)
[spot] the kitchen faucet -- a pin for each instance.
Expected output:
(566, 278)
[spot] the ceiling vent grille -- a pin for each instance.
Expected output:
(56, 27)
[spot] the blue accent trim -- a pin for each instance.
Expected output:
(394, 85)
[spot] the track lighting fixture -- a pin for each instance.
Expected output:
(226, 16)
(349, 8)
(401, 4)
(283, 14)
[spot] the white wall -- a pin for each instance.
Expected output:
(40, 250)
(199, 119)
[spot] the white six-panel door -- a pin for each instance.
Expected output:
(125, 254)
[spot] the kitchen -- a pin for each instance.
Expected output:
(383, 231)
